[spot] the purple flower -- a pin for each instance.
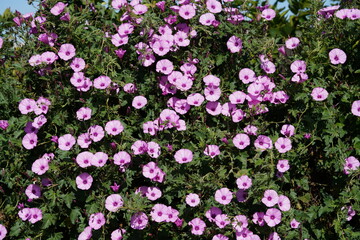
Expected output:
(234, 44)
(29, 141)
(66, 142)
(294, 223)
(33, 191)
(114, 127)
(268, 14)
(139, 221)
(207, 19)
(263, 142)
(287, 130)
(67, 51)
(113, 202)
(244, 182)
(283, 165)
(284, 203)
(35, 215)
(198, 226)
(337, 56)
(139, 102)
(96, 220)
(117, 234)
(187, 11)
(192, 199)
(223, 196)
(84, 181)
(221, 220)
(319, 94)
(355, 108)
(58, 8)
(272, 217)
(292, 43)
(270, 198)
(83, 114)
(40, 166)
(283, 144)
(115, 187)
(351, 164)
(4, 124)
(241, 141)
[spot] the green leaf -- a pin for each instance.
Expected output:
(48, 220)
(74, 215)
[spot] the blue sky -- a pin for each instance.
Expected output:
(23, 7)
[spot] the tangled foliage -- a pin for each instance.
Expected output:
(179, 120)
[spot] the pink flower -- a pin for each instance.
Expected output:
(319, 94)
(153, 193)
(183, 156)
(284, 203)
(287, 130)
(223, 196)
(283, 165)
(337, 56)
(212, 93)
(139, 221)
(102, 82)
(35, 215)
(241, 141)
(237, 97)
(292, 43)
(83, 114)
(192, 199)
(268, 14)
(48, 57)
(219, 237)
(118, 4)
(270, 198)
(77, 64)
(222, 220)
(211, 81)
(4, 124)
(239, 222)
(283, 144)
(117, 234)
(272, 217)
(114, 127)
(212, 151)
(213, 6)
(58, 8)
(113, 202)
(161, 47)
(184, 83)
(351, 164)
(84, 159)
(164, 66)
(298, 66)
(39, 121)
(187, 11)
(119, 40)
(27, 105)
(99, 159)
(244, 182)
(355, 108)
(29, 141)
(150, 170)
(84, 181)
(96, 133)
(67, 51)
(84, 140)
(3, 230)
(258, 218)
(159, 212)
(96, 220)
(247, 75)
(122, 158)
(139, 102)
(86, 234)
(139, 147)
(263, 142)
(33, 191)
(213, 108)
(130, 88)
(40, 166)
(196, 99)
(294, 223)
(250, 129)
(198, 226)
(212, 213)
(207, 19)
(234, 44)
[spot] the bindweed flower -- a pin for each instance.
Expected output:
(241, 141)
(212, 213)
(113, 202)
(283, 144)
(222, 220)
(319, 94)
(351, 164)
(66, 142)
(244, 182)
(292, 43)
(84, 181)
(4, 124)
(29, 141)
(268, 14)
(77, 64)
(122, 158)
(115, 187)
(355, 108)
(270, 198)
(153, 193)
(27, 105)
(223, 196)
(139, 102)
(294, 223)
(241, 195)
(40, 166)
(33, 191)
(272, 217)
(283, 165)
(198, 226)
(96, 220)
(258, 218)
(35, 215)
(219, 237)
(263, 142)
(102, 82)
(187, 11)
(83, 113)
(114, 127)
(207, 19)
(234, 44)
(284, 203)
(67, 51)
(86, 234)
(192, 199)
(287, 130)
(117, 234)
(212, 150)
(139, 221)
(337, 56)
(58, 8)
(3, 231)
